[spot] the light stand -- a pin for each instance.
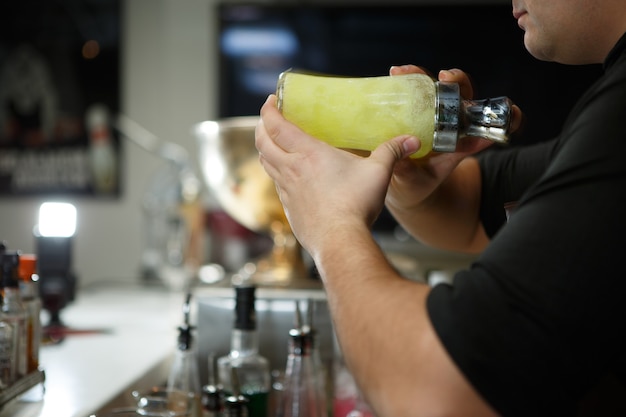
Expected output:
(57, 282)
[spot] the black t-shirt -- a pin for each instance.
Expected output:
(540, 317)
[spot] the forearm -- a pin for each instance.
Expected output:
(385, 333)
(449, 217)
(371, 306)
(380, 318)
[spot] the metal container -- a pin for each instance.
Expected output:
(230, 167)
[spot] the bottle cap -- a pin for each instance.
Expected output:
(212, 398)
(236, 406)
(448, 107)
(456, 118)
(185, 336)
(300, 342)
(10, 263)
(27, 267)
(245, 313)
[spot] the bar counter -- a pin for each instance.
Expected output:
(125, 338)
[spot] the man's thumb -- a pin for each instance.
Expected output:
(398, 148)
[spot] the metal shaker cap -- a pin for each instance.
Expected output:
(447, 111)
(245, 313)
(456, 118)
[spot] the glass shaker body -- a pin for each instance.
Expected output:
(361, 113)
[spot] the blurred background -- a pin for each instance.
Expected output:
(169, 64)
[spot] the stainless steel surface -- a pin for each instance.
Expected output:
(275, 313)
(231, 169)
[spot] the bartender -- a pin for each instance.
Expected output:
(535, 327)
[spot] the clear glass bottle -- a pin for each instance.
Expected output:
(361, 113)
(184, 377)
(361, 408)
(29, 293)
(8, 354)
(347, 398)
(236, 405)
(252, 368)
(12, 308)
(301, 394)
(213, 392)
(309, 331)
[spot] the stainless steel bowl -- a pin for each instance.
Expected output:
(229, 162)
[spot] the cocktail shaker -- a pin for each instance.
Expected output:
(361, 113)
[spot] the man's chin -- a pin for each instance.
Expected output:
(534, 50)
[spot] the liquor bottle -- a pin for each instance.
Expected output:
(252, 368)
(29, 293)
(236, 404)
(183, 377)
(347, 398)
(8, 354)
(310, 332)
(361, 408)
(361, 113)
(213, 392)
(301, 393)
(8, 340)
(12, 308)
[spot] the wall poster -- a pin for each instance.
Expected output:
(59, 91)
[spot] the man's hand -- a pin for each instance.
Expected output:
(321, 187)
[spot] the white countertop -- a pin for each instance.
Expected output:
(85, 372)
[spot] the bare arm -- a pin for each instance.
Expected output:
(437, 198)
(448, 218)
(386, 335)
(331, 197)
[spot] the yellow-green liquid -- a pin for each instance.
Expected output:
(360, 113)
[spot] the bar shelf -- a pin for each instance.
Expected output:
(21, 387)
